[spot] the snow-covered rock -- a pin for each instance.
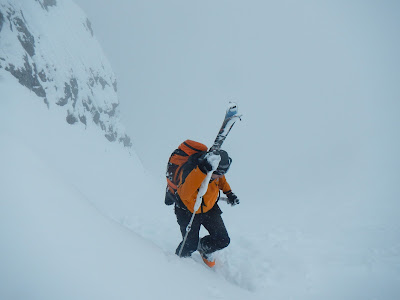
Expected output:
(49, 46)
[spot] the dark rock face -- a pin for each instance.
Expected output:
(126, 140)
(1, 20)
(71, 119)
(47, 3)
(24, 36)
(28, 76)
(71, 92)
(54, 65)
(88, 26)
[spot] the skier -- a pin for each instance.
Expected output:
(209, 213)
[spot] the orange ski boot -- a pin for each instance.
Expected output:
(207, 259)
(208, 262)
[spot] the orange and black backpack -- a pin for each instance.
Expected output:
(175, 165)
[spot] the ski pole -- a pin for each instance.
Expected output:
(223, 199)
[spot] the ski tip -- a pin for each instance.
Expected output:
(232, 111)
(232, 106)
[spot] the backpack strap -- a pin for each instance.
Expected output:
(189, 166)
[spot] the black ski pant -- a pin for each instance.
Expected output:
(217, 239)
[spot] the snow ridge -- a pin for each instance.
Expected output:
(50, 47)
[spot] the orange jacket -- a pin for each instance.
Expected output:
(189, 189)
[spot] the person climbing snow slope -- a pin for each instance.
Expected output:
(209, 214)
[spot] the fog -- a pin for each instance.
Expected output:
(317, 83)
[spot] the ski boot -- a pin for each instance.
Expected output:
(207, 258)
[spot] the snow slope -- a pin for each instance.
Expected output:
(59, 185)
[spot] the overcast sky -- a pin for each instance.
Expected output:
(318, 83)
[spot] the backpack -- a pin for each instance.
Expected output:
(175, 165)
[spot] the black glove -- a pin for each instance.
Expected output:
(232, 199)
(205, 161)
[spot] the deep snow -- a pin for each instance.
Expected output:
(60, 185)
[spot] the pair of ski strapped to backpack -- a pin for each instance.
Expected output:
(189, 148)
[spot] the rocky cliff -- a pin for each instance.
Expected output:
(50, 48)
